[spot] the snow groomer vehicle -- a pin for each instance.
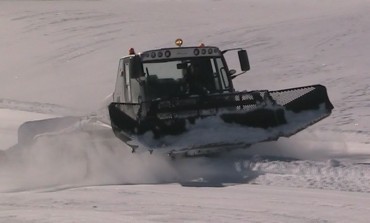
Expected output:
(181, 101)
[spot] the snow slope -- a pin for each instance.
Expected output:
(173, 203)
(60, 58)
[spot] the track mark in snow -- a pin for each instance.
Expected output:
(36, 107)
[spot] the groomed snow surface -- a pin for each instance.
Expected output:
(60, 57)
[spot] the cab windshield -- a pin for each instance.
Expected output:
(191, 76)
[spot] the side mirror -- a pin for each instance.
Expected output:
(136, 67)
(232, 72)
(244, 61)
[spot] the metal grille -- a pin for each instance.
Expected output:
(210, 104)
(283, 97)
(294, 99)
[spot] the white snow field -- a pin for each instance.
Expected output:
(59, 57)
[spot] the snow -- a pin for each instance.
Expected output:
(60, 58)
(173, 203)
(213, 130)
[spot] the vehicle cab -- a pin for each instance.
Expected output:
(172, 72)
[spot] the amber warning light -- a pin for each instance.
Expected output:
(179, 42)
(131, 51)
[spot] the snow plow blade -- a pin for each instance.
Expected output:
(29, 130)
(250, 117)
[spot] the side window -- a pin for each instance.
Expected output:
(127, 83)
(223, 75)
(220, 76)
(216, 76)
(118, 91)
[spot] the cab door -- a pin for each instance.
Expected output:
(122, 92)
(118, 95)
(127, 80)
